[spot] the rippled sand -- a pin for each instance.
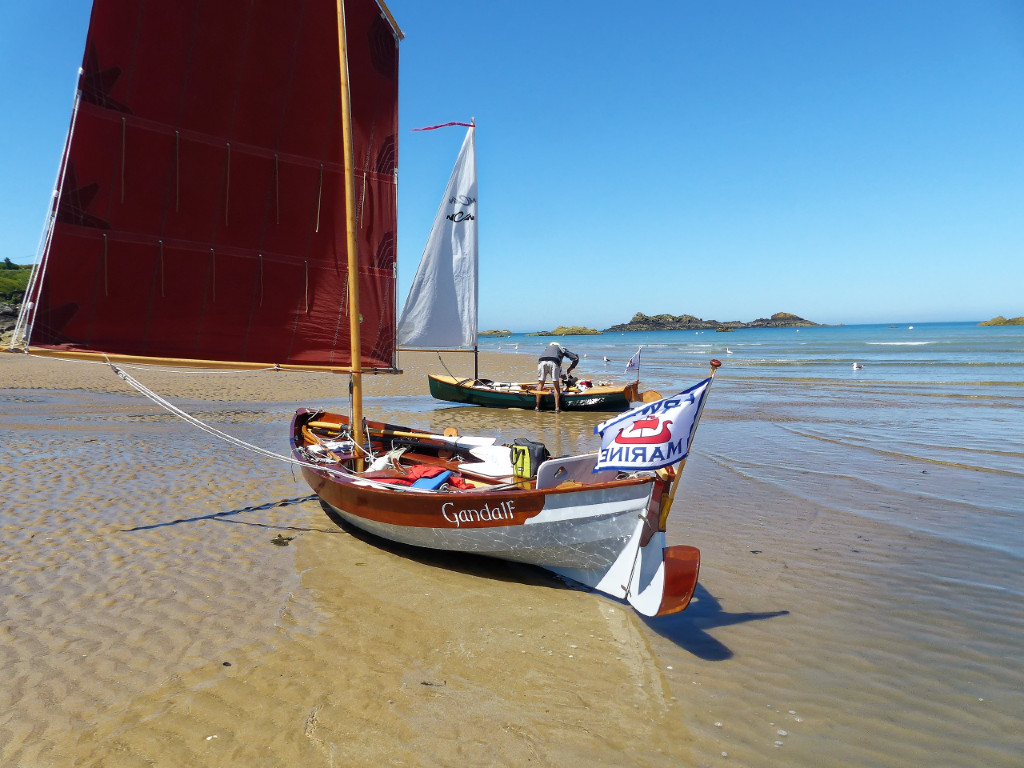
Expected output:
(169, 600)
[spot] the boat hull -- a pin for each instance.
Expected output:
(601, 532)
(521, 395)
(583, 531)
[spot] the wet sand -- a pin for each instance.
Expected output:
(170, 600)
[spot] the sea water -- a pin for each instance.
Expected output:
(937, 353)
(857, 493)
(948, 395)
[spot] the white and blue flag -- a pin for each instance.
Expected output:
(634, 362)
(652, 435)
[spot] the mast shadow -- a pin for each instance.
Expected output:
(222, 516)
(689, 629)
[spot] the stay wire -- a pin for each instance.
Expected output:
(239, 443)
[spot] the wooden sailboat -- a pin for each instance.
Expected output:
(603, 528)
(227, 198)
(522, 394)
(441, 311)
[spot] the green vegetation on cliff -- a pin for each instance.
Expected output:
(1000, 320)
(14, 280)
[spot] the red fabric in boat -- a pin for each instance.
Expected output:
(417, 471)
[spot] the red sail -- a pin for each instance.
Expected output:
(202, 208)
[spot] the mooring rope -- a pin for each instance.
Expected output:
(169, 406)
(239, 443)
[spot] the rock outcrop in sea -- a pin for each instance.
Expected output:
(642, 322)
(1000, 320)
(568, 330)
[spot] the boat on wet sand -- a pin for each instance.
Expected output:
(581, 396)
(566, 518)
(604, 529)
(248, 222)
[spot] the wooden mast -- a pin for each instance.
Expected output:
(476, 286)
(350, 232)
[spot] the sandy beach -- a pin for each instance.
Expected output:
(149, 618)
(169, 600)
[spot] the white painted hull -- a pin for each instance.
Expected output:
(584, 532)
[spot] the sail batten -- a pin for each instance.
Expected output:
(442, 307)
(201, 212)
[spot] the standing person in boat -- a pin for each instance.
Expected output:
(550, 364)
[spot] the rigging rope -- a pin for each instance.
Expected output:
(239, 443)
(442, 361)
(168, 406)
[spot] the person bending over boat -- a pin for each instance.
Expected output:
(550, 364)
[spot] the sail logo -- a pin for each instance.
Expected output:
(486, 513)
(457, 217)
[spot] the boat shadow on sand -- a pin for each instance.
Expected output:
(689, 629)
(468, 563)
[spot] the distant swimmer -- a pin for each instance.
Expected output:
(857, 366)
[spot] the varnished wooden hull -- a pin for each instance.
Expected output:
(548, 529)
(599, 534)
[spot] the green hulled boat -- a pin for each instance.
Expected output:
(441, 310)
(504, 394)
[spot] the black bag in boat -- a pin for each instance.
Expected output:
(527, 455)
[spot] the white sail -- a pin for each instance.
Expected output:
(441, 309)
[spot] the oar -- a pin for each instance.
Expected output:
(331, 426)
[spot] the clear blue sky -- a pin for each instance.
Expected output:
(845, 161)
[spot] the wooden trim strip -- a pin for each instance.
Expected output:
(100, 357)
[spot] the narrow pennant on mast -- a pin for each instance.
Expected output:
(444, 125)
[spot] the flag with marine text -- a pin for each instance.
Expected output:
(652, 435)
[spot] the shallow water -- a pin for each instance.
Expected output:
(898, 563)
(860, 597)
(947, 397)
(862, 533)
